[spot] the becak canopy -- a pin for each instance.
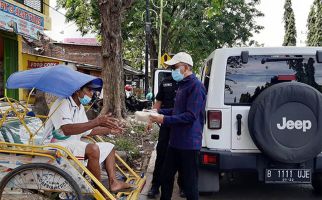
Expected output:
(59, 80)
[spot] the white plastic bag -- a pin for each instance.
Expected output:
(144, 116)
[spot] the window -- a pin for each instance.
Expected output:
(207, 72)
(244, 82)
(34, 4)
(162, 75)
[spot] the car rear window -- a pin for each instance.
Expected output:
(244, 82)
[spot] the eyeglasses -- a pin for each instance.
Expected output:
(173, 67)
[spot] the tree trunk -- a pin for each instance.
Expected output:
(112, 72)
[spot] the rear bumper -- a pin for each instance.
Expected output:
(253, 162)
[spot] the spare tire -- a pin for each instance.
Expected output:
(285, 122)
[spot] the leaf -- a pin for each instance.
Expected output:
(195, 26)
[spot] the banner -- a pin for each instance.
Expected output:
(20, 21)
(33, 64)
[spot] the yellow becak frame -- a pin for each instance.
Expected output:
(30, 149)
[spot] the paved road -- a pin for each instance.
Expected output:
(244, 187)
(247, 187)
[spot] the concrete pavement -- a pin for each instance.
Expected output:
(242, 187)
(149, 175)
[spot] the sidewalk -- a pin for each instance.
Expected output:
(149, 175)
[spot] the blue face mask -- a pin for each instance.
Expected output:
(176, 75)
(85, 100)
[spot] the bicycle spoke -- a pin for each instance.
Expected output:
(38, 184)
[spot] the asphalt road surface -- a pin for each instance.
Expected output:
(243, 187)
(246, 186)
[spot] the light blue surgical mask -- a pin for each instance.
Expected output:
(176, 75)
(85, 100)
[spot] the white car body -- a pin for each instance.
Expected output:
(232, 151)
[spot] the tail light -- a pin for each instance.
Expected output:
(286, 77)
(209, 159)
(214, 119)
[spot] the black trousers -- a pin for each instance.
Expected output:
(162, 146)
(185, 161)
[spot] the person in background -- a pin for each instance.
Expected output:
(186, 121)
(165, 100)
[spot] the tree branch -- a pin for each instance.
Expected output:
(126, 4)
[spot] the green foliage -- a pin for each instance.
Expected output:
(314, 24)
(155, 133)
(195, 26)
(311, 25)
(139, 129)
(215, 8)
(127, 145)
(289, 25)
(83, 13)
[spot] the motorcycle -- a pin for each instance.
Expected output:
(132, 103)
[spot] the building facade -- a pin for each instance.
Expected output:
(88, 57)
(19, 20)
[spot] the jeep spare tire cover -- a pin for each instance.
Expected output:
(285, 122)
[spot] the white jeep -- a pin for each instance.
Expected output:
(263, 115)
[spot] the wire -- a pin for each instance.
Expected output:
(59, 13)
(54, 9)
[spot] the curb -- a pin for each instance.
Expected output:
(149, 175)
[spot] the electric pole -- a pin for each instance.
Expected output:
(147, 42)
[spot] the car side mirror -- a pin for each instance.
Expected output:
(244, 57)
(319, 56)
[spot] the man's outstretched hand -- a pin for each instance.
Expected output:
(109, 122)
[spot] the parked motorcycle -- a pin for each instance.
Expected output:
(132, 103)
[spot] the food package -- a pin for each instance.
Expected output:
(144, 116)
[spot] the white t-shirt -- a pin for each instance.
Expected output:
(67, 113)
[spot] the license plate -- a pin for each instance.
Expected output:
(288, 176)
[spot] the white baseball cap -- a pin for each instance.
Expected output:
(180, 57)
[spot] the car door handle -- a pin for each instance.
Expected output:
(239, 117)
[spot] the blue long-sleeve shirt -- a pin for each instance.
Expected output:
(186, 119)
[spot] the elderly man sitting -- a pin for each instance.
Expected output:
(68, 123)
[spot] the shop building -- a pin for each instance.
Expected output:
(87, 53)
(19, 20)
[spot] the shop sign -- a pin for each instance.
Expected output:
(34, 64)
(20, 21)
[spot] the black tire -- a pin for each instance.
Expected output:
(317, 183)
(41, 166)
(285, 122)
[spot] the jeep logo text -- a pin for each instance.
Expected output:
(298, 124)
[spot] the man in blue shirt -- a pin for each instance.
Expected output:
(164, 100)
(186, 121)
